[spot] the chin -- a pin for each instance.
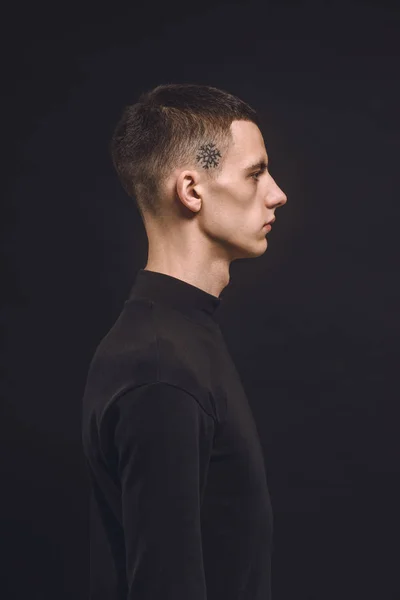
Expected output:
(252, 252)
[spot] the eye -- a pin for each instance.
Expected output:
(258, 173)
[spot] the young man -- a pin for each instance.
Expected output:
(180, 503)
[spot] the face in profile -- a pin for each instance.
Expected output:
(231, 211)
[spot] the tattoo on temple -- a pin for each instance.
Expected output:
(208, 156)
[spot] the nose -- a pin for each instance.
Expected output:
(280, 196)
(283, 200)
(277, 197)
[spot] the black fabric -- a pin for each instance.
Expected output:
(180, 508)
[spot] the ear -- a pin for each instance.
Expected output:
(188, 189)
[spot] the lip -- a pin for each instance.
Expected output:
(269, 223)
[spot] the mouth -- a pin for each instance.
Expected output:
(269, 224)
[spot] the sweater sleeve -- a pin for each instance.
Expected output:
(164, 441)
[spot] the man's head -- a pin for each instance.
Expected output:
(188, 154)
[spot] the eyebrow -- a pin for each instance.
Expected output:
(260, 165)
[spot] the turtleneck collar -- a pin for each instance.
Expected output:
(194, 302)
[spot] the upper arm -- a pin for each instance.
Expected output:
(164, 441)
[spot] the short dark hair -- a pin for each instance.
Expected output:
(173, 125)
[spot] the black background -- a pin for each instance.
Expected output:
(313, 325)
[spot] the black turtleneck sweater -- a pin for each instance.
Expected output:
(180, 508)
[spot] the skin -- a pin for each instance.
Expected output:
(209, 224)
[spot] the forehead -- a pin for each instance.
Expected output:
(248, 144)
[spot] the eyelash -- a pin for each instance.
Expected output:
(257, 173)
